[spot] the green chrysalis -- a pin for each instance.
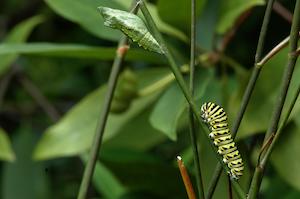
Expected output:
(132, 26)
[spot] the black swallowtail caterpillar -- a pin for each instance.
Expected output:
(216, 118)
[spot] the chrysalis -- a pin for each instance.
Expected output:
(132, 26)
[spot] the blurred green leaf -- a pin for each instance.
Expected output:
(206, 25)
(85, 14)
(106, 182)
(161, 25)
(259, 110)
(182, 17)
(230, 10)
(77, 51)
(6, 152)
(73, 134)
(138, 134)
(18, 34)
(284, 157)
(172, 104)
(24, 178)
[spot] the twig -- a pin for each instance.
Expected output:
(113, 78)
(248, 92)
(186, 179)
(5, 83)
(279, 131)
(288, 72)
(37, 95)
(229, 189)
(192, 130)
(185, 90)
(283, 12)
(275, 50)
(230, 34)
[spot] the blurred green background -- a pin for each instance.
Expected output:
(55, 59)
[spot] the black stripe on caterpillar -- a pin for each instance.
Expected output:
(216, 119)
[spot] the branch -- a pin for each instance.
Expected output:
(185, 90)
(5, 82)
(192, 131)
(274, 51)
(283, 12)
(38, 96)
(113, 78)
(186, 179)
(248, 92)
(288, 72)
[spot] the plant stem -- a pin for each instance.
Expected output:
(274, 51)
(248, 92)
(283, 12)
(279, 131)
(38, 96)
(97, 141)
(186, 179)
(185, 90)
(192, 131)
(159, 84)
(287, 76)
(229, 189)
(4, 84)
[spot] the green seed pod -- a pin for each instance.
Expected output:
(132, 26)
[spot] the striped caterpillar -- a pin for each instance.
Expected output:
(216, 119)
(132, 26)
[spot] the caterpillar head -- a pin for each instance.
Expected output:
(204, 113)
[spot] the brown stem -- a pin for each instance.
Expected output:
(283, 12)
(186, 179)
(38, 96)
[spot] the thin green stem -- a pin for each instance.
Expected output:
(283, 124)
(185, 90)
(97, 141)
(159, 84)
(192, 131)
(287, 76)
(249, 90)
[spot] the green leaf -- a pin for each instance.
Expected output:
(76, 51)
(265, 94)
(85, 14)
(161, 25)
(6, 152)
(73, 134)
(132, 26)
(182, 17)
(18, 34)
(230, 10)
(106, 182)
(284, 157)
(168, 111)
(138, 134)
(24, 178)
(145, 172)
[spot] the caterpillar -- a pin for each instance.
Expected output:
(216, 119)
(132, 26)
